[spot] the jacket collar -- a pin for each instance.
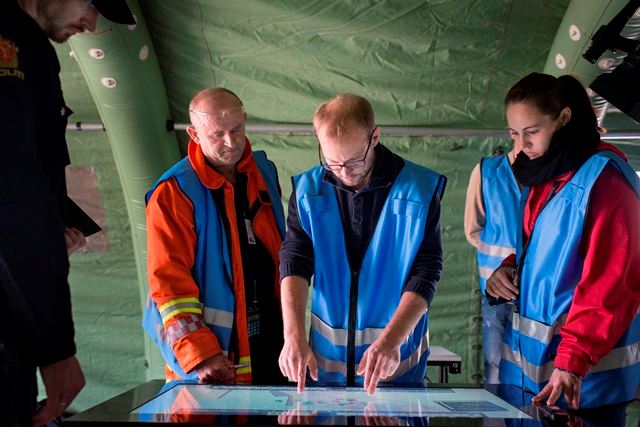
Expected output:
(208, 175)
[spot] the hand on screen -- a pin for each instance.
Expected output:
(62, 381)
(378, 362)
(74, 239)
(295, 357)
(561, 381)
(217, 369)
(500, 284)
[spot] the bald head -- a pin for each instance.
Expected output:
(216, 101)
(217, 126)
(343, 114)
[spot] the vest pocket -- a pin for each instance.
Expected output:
(572, 193)
(407, 208)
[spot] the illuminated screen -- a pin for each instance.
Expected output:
(396, 402)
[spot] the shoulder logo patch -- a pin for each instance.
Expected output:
(9, 66)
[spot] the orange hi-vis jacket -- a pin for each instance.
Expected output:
(172, 240)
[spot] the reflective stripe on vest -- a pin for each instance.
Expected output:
(500, 195)
(619, 357)
(536, 330)
(551, 271)
(398, 234)
(496, 250)
(405, 365)
(212, 269)
(221, 318)
(340, 336)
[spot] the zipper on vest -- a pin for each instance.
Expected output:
(518, 274)
(525, 248)
(351, 340)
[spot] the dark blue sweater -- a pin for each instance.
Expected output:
(360, 212)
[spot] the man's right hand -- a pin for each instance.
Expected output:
(62, 381)
(295, 357)
(216, 369)
(500, 284)
(74, 240)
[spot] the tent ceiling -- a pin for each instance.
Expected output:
(440, 63)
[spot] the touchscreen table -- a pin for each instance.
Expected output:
(397, 402)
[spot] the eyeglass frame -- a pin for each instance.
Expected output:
(351, 164)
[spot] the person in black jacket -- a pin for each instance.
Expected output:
(36, 328)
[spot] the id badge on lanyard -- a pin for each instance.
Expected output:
(251, 237)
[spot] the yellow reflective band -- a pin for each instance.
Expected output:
(181, 310)
(177, 301)
(245, 359)
(243, 370)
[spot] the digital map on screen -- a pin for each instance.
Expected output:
(401, 402)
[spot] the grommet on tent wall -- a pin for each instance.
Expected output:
(133, 26)
(607, 63)
(574, 33)
(96, 53)
(109, 82)
(560, 61)
(73, 55)
(144, 53)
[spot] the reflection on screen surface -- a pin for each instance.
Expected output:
(387, 402)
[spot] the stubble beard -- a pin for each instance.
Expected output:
(49, 22)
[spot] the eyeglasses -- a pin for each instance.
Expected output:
(351, 164)
(222, 112)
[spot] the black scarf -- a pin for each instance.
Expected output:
(569, 148)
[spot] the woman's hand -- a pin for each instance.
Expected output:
(561, 381)
(500, 284)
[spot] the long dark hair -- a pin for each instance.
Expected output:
(574, 142)
(550, 95)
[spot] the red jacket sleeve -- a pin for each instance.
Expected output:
(171, 240)
(607, 296)
(509, 261)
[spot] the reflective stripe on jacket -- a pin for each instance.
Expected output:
(550, 272)
(213, 270)
(500, 195)
(339, 326)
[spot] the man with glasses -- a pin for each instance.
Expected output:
(215, 225)
(34, 244)
(365, 224)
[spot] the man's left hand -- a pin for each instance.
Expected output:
(561, 381)
(378, 362)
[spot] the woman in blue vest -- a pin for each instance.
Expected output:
(574, 335)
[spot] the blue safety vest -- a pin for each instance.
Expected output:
(500, 195)
(549, 275)
(350, 309)
(212, 269)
